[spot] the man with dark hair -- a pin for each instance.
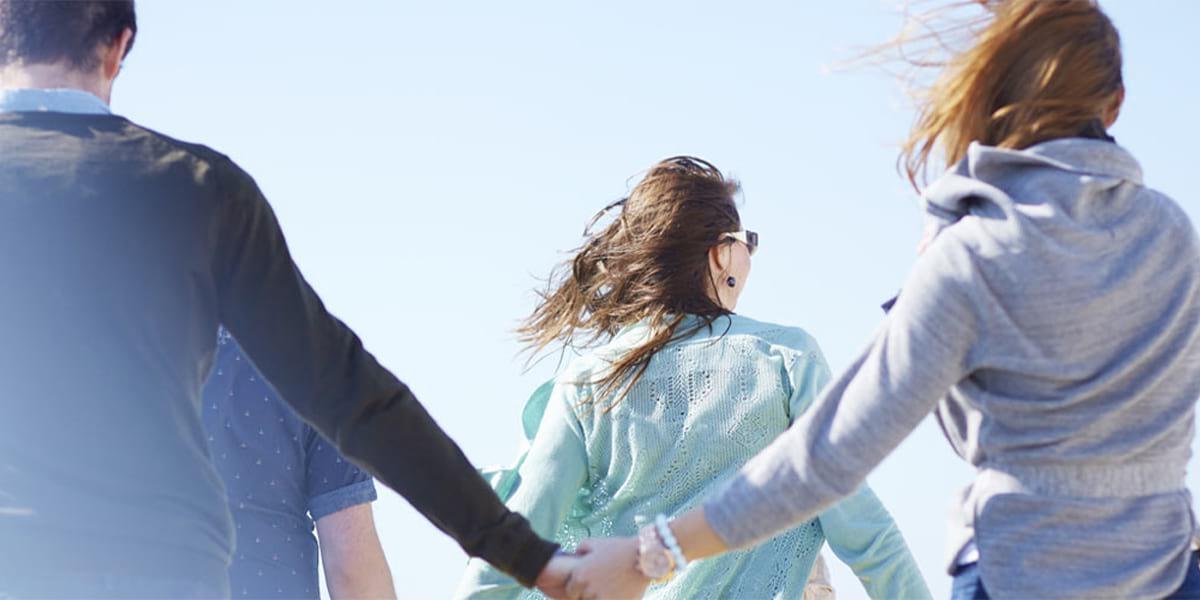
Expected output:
(121, 251)
(63, 32)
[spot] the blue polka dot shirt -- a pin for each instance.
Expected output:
(280, 477)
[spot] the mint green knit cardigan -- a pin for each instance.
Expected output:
(704, 406)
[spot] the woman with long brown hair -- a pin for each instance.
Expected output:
(671, 393)
(1053, 321)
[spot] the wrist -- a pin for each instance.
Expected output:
(533, 560)
(659, 557)
(668, 537)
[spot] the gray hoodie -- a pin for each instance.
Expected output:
(1054, 323)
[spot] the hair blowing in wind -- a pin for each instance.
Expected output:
(1031, 71)
(649, 263)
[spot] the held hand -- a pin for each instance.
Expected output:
(607, 569)
(554, 577)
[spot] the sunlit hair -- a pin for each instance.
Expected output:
(649, 263)
(1034, 70)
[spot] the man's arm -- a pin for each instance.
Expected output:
(352, 556)
(321, 369)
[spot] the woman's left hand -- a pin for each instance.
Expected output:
(607, 568)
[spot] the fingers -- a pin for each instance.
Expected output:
(576, 587)
(566, 583)
(604, 568)
(579, 584)
(553, 580)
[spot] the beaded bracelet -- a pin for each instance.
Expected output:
(668, 539)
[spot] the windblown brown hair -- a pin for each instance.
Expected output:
(649, 263)
(1037, 70)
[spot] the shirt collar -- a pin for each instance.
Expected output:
(63, 100)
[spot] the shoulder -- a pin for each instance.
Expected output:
(199, 152)
(579, 371)
(766, 337)
(789, 345)
(1173, 216)
(951, 262)
(208, 165)
(773, 334)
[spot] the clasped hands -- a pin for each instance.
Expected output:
(600, 569)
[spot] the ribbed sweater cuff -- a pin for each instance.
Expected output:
(532, 558)
(515, 549)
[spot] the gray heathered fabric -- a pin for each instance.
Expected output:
(1056, 317)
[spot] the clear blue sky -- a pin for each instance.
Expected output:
(429, 160)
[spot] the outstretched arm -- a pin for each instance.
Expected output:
(921, 351)
(322, 370)
(923, 348)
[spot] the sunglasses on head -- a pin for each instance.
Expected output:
(745, 236)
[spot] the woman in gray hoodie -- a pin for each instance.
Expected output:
(1052, 321)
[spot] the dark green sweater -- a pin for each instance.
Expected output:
(121, 251)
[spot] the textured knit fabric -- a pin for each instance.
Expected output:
(704, 406)
(121, 251)
(280, 477)
(1057, 318)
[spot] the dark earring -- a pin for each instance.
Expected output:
(731, 282)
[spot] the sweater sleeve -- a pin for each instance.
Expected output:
(807, 374)
(549, 481)
(322, 370)
(862, 534)
(921, 351)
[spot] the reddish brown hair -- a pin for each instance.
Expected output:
(650, 263)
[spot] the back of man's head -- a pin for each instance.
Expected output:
(70, 32)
